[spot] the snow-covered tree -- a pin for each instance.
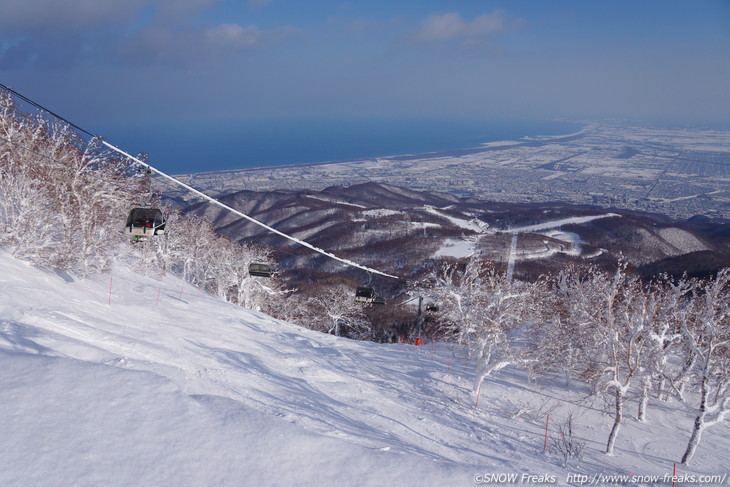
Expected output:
(27, 213)
(660, 372)
(191, 249)
(707, 335)
(186, 247)
(334, 311)
(485, 311)
(611, 315)
(63, 201)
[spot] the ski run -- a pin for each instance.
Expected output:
(123, 380)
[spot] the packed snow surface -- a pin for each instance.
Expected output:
(126, 380)
(458, 248)
(558, 223)
(684, 241)
(473, 224)
(378, 212)
(333, 200)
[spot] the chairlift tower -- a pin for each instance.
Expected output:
(419, 321)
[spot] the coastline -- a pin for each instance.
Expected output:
(485, 147)
(588, 167)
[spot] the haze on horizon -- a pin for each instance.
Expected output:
(153, 62)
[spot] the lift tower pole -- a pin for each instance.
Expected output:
(419, 321)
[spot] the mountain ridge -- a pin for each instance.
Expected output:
(400, 229)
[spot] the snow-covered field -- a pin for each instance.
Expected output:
(128, 380)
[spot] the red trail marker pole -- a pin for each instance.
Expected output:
(109, 300)
(479, 390)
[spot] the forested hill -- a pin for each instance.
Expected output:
(400, 229)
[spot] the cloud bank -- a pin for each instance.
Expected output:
(57, 34)
(451, 25)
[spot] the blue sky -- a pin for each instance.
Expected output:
(163, 61)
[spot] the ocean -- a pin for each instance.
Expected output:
(187, 148)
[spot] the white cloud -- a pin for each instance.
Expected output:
(66, 16)
(190, 46)
(141, 32)
(233, 36)
(452, 26)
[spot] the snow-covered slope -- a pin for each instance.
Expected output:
(128, 380)
(559, 223)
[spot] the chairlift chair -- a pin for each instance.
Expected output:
(379, 300)
(364, 295)
(143, 223)
(432, 308)
(260, 270)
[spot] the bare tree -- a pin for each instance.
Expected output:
(566, 443)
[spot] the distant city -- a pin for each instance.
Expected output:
(676, 172)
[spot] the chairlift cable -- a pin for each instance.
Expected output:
(405, 302)
(41, 107)
(149, 167)
(243, 215)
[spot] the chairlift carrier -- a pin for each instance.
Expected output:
(145, 222)
(364, 295)
(259, 269)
